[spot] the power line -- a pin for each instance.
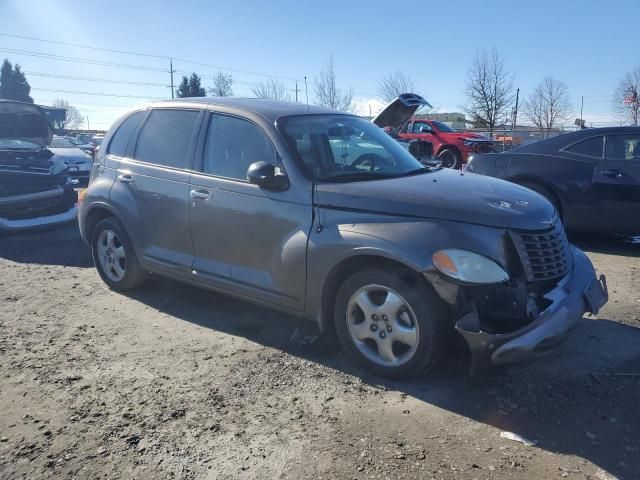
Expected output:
(140, 54)
(91, 79)
(31, 53)
(75, 92)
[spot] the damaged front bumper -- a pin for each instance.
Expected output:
(577, 293)
(38, 222)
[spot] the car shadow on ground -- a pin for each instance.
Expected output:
(627, 246)
(60, 245)
(580, 399)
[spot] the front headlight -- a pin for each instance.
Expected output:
(468, 267)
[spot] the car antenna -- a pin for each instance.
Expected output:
(315, 183)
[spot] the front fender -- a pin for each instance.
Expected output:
(344, 236)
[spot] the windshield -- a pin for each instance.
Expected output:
(334, 147)
(14, 144)
(443, 127)
(61, 143)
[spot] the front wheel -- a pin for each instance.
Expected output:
(450, 158)
(390, 325)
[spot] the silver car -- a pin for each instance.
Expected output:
(321, 214)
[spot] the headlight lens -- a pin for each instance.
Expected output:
(468, 267)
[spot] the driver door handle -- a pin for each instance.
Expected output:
(202, 194)
(612, 173)
(125, 178)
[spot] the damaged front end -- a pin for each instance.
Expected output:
(35, 187)
(550, 286)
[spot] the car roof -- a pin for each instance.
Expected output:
(561, 141)
(267, 108)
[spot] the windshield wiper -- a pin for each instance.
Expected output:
(415, 172)
(346, 176)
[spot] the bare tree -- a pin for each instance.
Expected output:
(222, 85)
(489, 90)
(72, 120)
(328, 94)
(273, 89)
(393, 84)
(626, 97)
(548, 105)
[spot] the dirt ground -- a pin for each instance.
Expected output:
(176, 382)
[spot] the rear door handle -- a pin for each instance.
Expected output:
(202, 194)
(125, 178)
(612, 173)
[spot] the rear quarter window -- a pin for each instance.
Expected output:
(120, 140)
(590, 147)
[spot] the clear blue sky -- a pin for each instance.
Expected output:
(586, 44)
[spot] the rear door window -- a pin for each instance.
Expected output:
(166, 137)
(120, 140)
(232, 145)
(623, 147)
(591, 147)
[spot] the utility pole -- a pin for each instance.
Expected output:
(171, 71)
(297, 91)
(581, 107)
(515, 110)
(88, 125)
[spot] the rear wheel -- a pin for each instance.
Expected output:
(450, 158)
(114, 256)
(389, 325)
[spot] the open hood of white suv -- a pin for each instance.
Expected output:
(24, 121)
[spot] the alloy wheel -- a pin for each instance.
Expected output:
(111, 255)
(382, 325)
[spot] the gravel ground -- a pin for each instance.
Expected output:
(175, 382)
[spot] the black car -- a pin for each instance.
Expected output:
(592, 176)
(35, 187)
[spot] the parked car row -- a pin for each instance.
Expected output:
(323, 215)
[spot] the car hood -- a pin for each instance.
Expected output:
(400, 110)
(471, 136)
(24, 121)
(446, 195)
(66, 153)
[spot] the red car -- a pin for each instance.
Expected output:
(451, 147)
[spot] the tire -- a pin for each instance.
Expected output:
(546, 193)
(408, 323)
(115, 257)
(450, 158)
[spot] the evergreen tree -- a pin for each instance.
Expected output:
(190, 87)
(183, 88)
(13, 83)
(194, 86)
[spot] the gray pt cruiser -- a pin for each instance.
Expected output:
(321, 214)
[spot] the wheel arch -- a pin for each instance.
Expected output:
(526, 180)
(449, 146)
(96, 213)
(352, 264)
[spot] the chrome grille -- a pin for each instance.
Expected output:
(544, 254)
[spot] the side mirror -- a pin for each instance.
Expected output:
(425, 130)
(264, 175)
